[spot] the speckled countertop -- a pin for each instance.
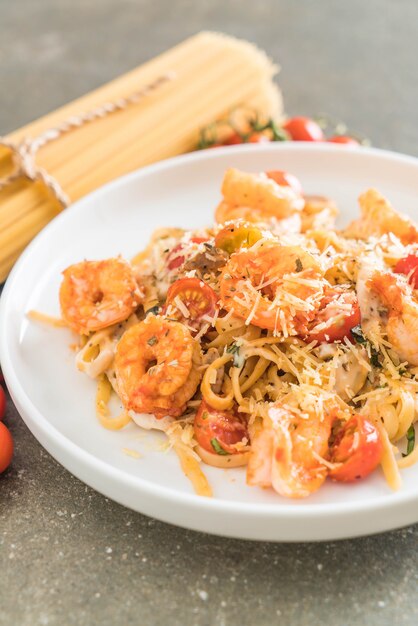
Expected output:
(67, 554)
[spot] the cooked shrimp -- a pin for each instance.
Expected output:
(156, 367)
(272, 286)
(246, 195)
(378, 217)
(98, 294)
(400, 316)
(287, 452)
(319, 213)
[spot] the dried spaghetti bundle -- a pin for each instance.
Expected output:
(213, 74)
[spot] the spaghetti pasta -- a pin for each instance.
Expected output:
(256, 352)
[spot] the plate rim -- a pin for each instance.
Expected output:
(36, 421)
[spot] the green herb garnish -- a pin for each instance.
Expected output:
(153, 310)
(410, 438)
(374, 358)
(358, 334)
(234, 349)
(218, 448)
(359, 337)
(152, 341)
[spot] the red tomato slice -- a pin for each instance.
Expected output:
(358, 447)
(174, 259)
(286, 180)
(218, 432)
(303, 129)
(6, 447)
(197, 297)
(409, 267)
(338, 314)
(2, 403)
(344, 139)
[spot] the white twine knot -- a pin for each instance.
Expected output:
(23, 153)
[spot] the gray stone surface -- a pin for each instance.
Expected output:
(68, 555)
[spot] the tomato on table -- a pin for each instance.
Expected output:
(358, 448)
(409, 267)
(344, 139)
(2, 403)
(196, 296)
(254, 137)
(258, 138)
(174, 259)
(6, 447)
(286, 179)
(338, 314)
(303, 129)
(218, 432)
(232, 238)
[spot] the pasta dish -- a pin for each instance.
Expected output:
(269, 340)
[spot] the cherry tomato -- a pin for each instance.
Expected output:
(2, 403)
(358, 446)
(174, 260)
(338, 318)
(198, 298)
(6, 447)
(344, 139)
(219, 431)
(232, 238)
(409, 266)
(286, 180)
(254, 137)
(258, 138)
(303, 129)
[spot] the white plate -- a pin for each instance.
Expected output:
(56, 401)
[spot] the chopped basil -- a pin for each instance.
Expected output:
(359, 337)
(205, 415)
(218, 448)
(358, 334)
(299, 266)
(153, 310)
(410, 438)
(152, 341)
(374, 358)
(238, 359)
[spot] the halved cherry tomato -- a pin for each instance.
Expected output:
(303, 129)
(197, 297)
(232, 238)
(338, 314)
(344, 139)
(219, 431)
(6, 447)
(174, 259)
(286, 180)
(2, 403)
(358, 447)
(409, 267)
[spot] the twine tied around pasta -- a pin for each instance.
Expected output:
(23, 153)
